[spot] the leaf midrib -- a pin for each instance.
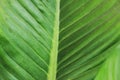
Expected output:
(54, 51)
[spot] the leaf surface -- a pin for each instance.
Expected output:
(30, 48)
(88, 29)
(111, 68)
(28, 39)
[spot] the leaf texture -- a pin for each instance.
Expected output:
(88, 29)
(28, 31)
(110, 69)
(89, 33)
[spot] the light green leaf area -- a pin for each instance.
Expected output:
(28, 39)
(59, 40)
(111, 68)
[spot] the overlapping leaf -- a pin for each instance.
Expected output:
(111, 68)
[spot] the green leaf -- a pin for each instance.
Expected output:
(111, 68)
(59, 40)
(28, 39)
(88, 28)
